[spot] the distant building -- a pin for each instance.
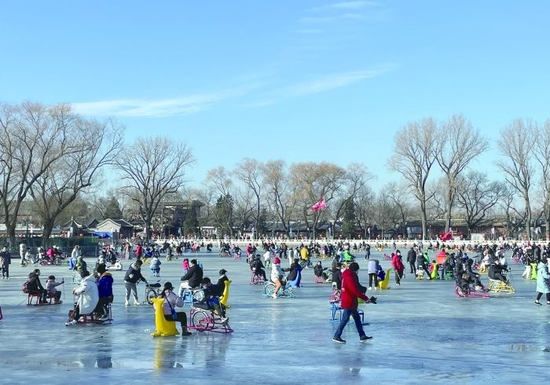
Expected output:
(114, 228)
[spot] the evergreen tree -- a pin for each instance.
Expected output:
(349, 220)
(191, 223)
(112, 210)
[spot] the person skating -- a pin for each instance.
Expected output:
(349, 294)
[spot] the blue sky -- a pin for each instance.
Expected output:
(293, 80)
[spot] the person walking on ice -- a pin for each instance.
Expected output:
(348, 296)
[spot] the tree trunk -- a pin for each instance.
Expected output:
(424, 218)
(449, 214)
(11, 234)
(147, 222)
(47, 232)
(529, 216)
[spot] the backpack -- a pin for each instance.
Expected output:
(25, 287)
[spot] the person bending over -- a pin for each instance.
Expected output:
(87, 297)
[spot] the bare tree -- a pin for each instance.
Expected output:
(279, 197)
(514, 218)
(413, 157)
(245, 206)
(33, 139)
(250, 172)
(516, 143)
(219, 181)
(54, 190)
(400, 200)
(356, 178)
(386, 217)
(458, 145)
(153, 168)
(79, 210)
(220, 184)
(365, 210)
(541, 152)
(476, 195)
(312, 181)
(436, 205)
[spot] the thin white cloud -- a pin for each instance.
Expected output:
(354, 4)
(260, 103)
(143, 108)
(345, 5)
(310, 31)
(330, 19)
(158, 108)
(333, 81)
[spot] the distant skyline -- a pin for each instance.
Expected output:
(294, 80)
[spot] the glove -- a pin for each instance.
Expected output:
(372, 300)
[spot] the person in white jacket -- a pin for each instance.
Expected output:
(277, 275)
(171, 300)
(88, 297)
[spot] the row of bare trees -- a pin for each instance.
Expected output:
(273, 191)
(434, 160)
(56, 159)
(452, 145)
(51, 157)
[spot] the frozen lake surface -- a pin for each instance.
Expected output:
(422, 333)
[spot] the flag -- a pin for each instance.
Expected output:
(319, 205)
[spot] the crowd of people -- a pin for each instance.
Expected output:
(94, 294)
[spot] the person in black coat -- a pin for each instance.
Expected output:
(411, 258)
(132, 277)
(495, 271)
(35, 286)
(337, 276)
(257, 267)
(220, 285)
(474, 276)
(193, 277)
(294, 269)
(319, 271)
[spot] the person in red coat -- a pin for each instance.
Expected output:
(349, 294)
(139, 251)
(398, 267)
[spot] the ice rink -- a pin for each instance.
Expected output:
(422, 334)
